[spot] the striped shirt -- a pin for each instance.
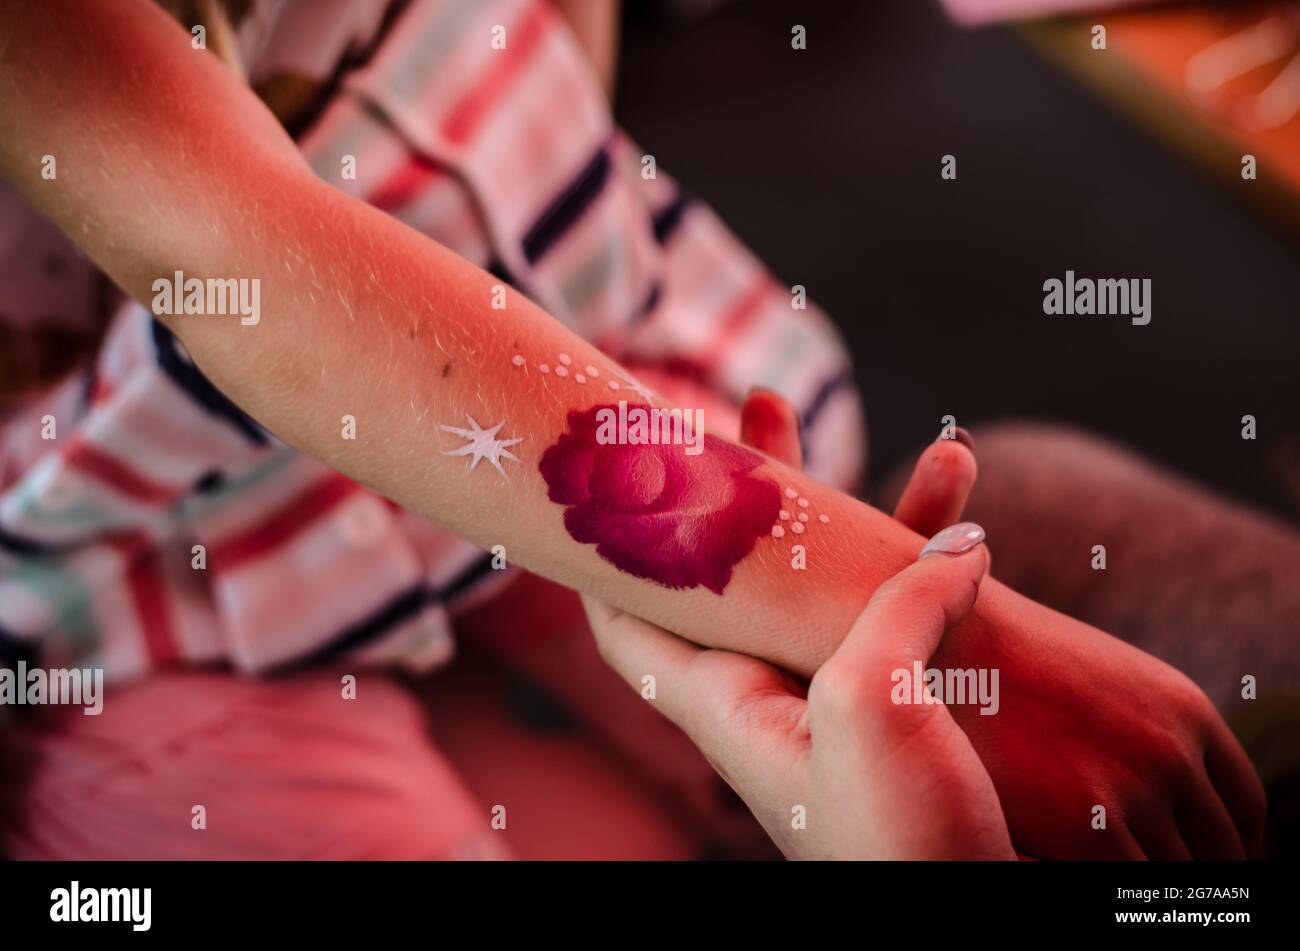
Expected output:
(163, 526)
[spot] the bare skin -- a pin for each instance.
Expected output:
(363, 317)
(832, 770)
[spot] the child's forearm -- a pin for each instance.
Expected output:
(363, 318)
(369, 320)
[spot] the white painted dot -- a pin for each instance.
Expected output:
(561, 371)
(592, 371)
(823, 519)
(579, 378)
(517, 360)
(796, 527)
(778, 531)
(803, 516)
(565, 359)
(544, 367)
(785, 516)
(613, 384)
(803, 503)
(791, 494)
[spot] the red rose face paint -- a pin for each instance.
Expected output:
(655, 512)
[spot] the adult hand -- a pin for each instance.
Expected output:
(1086, 721)
(841, 771)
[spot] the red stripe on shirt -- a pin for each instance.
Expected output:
(736, 320)
(101, 391)
(274, 531)
(124, 480)
(521, 42)
(149, 594)
(404, 184)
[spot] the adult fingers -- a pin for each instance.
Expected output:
(1208, 828)
(637, 649)
(769, 424)
(1238, 785)
(735, 708)
(902, 624)
(940, 484)
(1159, 837)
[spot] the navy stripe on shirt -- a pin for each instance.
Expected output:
(567, 207)
(667, 218)
(823, 395)
(20, 545)
(189, 378)
(648, 306)
(401, 608)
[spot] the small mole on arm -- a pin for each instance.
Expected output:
(446, 369)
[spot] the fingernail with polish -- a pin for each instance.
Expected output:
(960, 435)
(954, 540)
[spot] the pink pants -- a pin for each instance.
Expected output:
(287, 768)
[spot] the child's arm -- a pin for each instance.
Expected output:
(165, 164)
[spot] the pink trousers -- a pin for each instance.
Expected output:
(487, 759)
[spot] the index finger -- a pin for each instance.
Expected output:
(939, 486)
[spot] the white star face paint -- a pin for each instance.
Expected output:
(483, 444)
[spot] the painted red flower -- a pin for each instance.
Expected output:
(656, 512)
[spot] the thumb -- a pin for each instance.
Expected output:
(905, 620)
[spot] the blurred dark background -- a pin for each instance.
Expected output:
(826, 162)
